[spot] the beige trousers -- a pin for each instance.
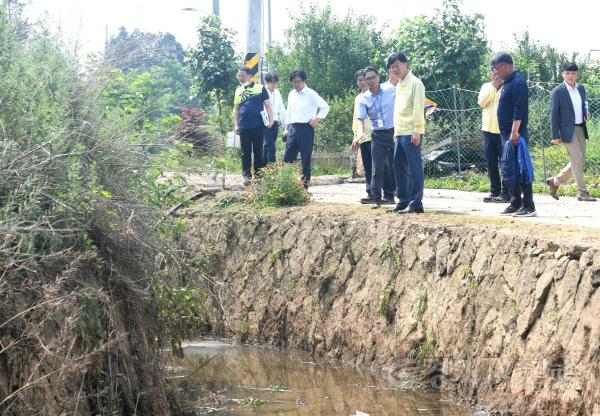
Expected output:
(576, 151)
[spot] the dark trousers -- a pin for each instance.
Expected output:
(270, 139)
(251, 141)
(367, 160)
(382, 153)
(521, 194)
(408, 168)
(492, 144)
(301, 138)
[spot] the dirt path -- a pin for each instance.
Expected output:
(567, 210)
(335, 190)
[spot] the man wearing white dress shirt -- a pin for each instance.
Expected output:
(301, 120)
(271, 81)
(568, 114)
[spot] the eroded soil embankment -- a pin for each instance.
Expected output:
(513, 319)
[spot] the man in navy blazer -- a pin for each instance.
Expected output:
(568, 114)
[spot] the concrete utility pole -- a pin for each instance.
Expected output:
(270, 38)
(215, 9)
(254, 38)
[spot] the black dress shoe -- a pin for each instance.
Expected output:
(398, 207)
(387, 201)
(367, 200)
(409, 210)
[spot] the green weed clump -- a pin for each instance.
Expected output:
(278, 186)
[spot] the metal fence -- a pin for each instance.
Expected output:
(453, 142)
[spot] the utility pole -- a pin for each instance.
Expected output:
(270, 39)
(254, 38)
(215, 8)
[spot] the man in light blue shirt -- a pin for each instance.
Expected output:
(378, 104)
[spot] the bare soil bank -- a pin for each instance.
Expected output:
(507, 314)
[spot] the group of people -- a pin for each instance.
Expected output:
(259, 111)
(504, 123)
(388, 128)
(389, 122)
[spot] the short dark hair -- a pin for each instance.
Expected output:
(501, 58)
(371, 69)
(245, 69)
(298, 73)
(271, 77)
(358, 73)
(396, 56)
(570, 66)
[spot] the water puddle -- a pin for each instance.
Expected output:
(223, 379)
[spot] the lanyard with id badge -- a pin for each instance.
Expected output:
(378, 122)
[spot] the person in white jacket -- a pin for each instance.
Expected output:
(271, 133)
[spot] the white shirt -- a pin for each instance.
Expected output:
(278, 106)
(303, 105)
(576, 100)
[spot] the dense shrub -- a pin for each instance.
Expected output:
(335, 131)
(192, 129)
(81, 244)
(279, 185)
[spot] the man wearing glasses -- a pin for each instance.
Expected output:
(409, 126)
(513, 112)
(378, 105)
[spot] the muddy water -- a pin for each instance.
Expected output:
(252, 380)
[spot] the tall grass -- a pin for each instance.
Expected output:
(83, 237)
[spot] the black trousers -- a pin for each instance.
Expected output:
(301, 138)
(251, 141)
(382, 150)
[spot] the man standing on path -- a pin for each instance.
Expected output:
(513, 112)
(362, 143)
(568, 114)
(301, 119)
(409, 126)
(377, 104)
(270, 134)
(249, 100)
(488, 98)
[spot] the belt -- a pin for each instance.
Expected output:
(580, 125)
(299, 124)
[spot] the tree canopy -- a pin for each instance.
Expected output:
(328, 48)
(447, 49)
(141, 49)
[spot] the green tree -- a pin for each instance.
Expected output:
(328, 48)
(213, 63)
(537, 61)
(153, 96)
(138, 49)
(447, 49)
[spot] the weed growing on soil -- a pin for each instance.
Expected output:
(425, 348)
(421, 303)
(384, 299)
(386, 249)
(273, 256)
(277, 388)
(399, 262)
(253, 402)
(244, 332)
(278, 186)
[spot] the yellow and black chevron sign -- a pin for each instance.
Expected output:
(251, 61)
